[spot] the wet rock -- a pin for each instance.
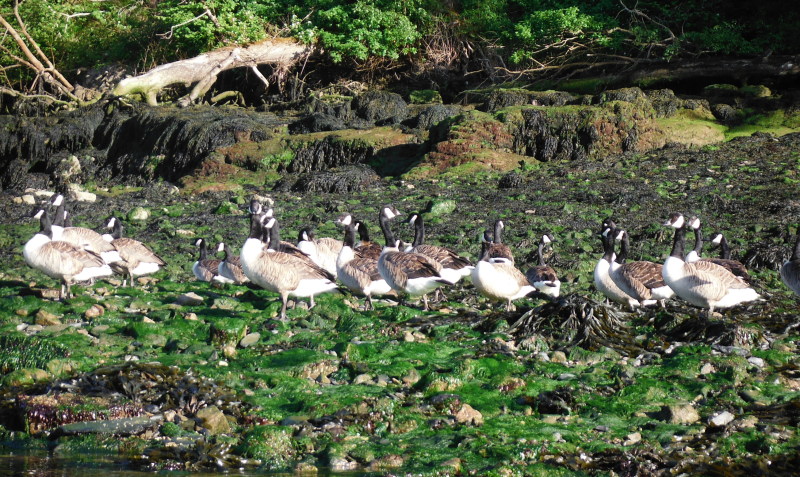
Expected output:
(45, 318)
(317, 122)
(25, 376)
(411, 378)
(721, 419)
(342, 464)
(338, 181)
(189, 299)
(756, 361)
(726, 114)
(631, 439)
(679, 414)
(390, 461)
(441, 207)
(454, 464)
(510, 180)
(433, 115)
(380, 108)
(466, 414)
(558, 357)
(249, 340)
(362, 379)
(320, 369)
(213, 419)
(94, 311)
(138, 214)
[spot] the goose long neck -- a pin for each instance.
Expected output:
(725, 250)
(698, 241)
(678, 243)
(203, 250)
(45, 224)
(363, 233)
(274, 237)
(116, 231)
(498, 232)
(349, 236)
(419, 232)
(541, 253)
(387, 232)
(59, 219)
(608, 246)
(255, 227)
(623, 250)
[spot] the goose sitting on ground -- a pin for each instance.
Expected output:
(323, 251)
(493, 246)
(702, 283)
(641, 280)
(230, 268)
(543, 277)
(790, 270)
(359, 274)
(61, 260)
(130, 258)
(280, 272)
(717, 240)
(204, 268)
(454, 266)
(409, 274)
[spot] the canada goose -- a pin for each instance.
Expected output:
(204, 268)
(410, 274)
(230, 268)
(498, 279)
(494, 247)
(641, 280)
(790, 270)
(542, 276)
(724, 260)
(454, 266)
(61, 260)
(280, 272)
(701, 283)
(132, 257)
(323, 251)
(84, 238)
(359, 274)
(366, 248)
(602, 271)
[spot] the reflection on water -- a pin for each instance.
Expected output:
(40, 463)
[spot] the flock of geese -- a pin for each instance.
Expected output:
(319, 265)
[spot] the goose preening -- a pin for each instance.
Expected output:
(701, 283)
(409, 274)
(641, 280)
(543, 277)
(359, 274)
(84, 238)
(230, 267)
(602, 271)
(790, 270)
(277, 271)
(493, 246)
(717, 240)
(204, 268)
(322, 251)
(454, 266)
(61, 260)
(130, 258)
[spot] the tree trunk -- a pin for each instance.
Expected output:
(202, 70)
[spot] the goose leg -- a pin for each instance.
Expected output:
(425, 306)
(368, 305)
(284, 299)
(312, 304)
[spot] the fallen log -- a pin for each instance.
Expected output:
(202, 70)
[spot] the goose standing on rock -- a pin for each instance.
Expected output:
(204, 268)
(359, 274)
(61, 260)
(409, 274)
(280, 272)
(641, 280)
(454, 266)
(701, 283)
(790, 270)
(543, 277)
(130, 257)
(230, 268)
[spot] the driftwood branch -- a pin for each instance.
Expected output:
(206, 13)
(202, 70)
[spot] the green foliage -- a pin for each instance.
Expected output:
(18, 351)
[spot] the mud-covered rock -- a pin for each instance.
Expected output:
(726, 114)
(317, 122)
(433, 115)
